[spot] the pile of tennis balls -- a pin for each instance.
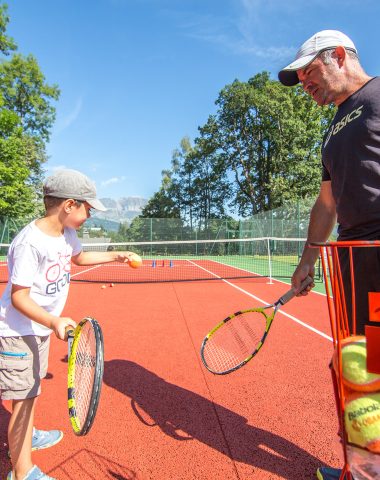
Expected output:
(362, 395)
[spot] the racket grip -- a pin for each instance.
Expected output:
(292, 293)
(69, 337)
(69, 332)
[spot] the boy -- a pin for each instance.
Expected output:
(39, 261)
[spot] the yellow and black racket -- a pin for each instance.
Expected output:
(240, 336)
(85, 373)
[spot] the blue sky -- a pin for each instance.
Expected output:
(136, 76)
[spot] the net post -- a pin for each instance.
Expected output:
(269, 261)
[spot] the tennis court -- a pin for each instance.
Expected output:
(162, 415)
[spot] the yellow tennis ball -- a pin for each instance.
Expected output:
(354, 365)
(135, 261)
(362, 420)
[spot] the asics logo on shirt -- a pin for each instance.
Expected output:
(337, 127)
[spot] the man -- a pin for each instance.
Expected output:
(328, 68)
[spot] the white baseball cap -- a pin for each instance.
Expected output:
(68, 183)
(310, 50)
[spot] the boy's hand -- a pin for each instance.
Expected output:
(125, 257)
(59, 326)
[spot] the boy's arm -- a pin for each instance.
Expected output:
(94, 258)
(22, 301)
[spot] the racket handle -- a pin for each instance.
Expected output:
(69, 332)
(69, 337)
(292, 293)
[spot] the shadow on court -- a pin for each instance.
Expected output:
(5, 464)
(81, 465)
(85, 462)
(185, 415)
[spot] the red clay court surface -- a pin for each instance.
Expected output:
(162, 415)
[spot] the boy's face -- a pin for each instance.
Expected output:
(77, 213)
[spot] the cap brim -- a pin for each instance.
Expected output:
(288, 78)
(288, 75)
(97, 204)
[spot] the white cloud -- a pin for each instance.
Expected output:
(244, 33)
(112, 180)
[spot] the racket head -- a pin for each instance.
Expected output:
(85, 374)
(236, 340)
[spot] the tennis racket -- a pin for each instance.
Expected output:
(85, 373)
(240, 336)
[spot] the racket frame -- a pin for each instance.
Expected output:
(73, 341)
(268, 319)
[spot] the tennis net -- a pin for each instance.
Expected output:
(189, 260)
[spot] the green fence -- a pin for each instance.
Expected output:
(289, 221)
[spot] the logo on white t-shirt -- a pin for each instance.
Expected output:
(58, 274)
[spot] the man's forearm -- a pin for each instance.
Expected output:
(322, 222)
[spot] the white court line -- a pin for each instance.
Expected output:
(84, 271)
(303, 324)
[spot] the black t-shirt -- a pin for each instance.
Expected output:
(351, 160)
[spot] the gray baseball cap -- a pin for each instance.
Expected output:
(309, 50)
(72, 184)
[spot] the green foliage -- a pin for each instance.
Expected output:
(26, 117)
(153, 229)
(175, 229)
(196, 184)
(7, 43)
(260, 150)
(161, 205)
(17, 197)
(24, 91)
(269, 138)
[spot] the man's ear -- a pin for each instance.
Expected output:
(340, 54)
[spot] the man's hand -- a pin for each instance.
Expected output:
(299, 275)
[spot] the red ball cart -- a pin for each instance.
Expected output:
(338, 264)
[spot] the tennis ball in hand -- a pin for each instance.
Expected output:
(362, 420)
(354, 365)
(135, 261)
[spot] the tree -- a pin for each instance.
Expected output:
(197, 183)
(7, 43)
(160, 206)
(181, 187)
(26, 118)
(24, 91)
(268, 138)
(259, 150)
(16, 195)
(213, 189)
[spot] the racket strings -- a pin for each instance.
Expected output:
(235, 341)
(85, 363)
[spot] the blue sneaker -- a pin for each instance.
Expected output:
(327, 473)
(33, 474)
(42, 439)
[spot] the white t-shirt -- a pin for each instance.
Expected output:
(42, 263)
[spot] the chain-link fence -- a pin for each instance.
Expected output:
(288, 221)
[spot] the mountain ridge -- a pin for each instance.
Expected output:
(121, 210)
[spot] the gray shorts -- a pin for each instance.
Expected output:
(23, 362)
